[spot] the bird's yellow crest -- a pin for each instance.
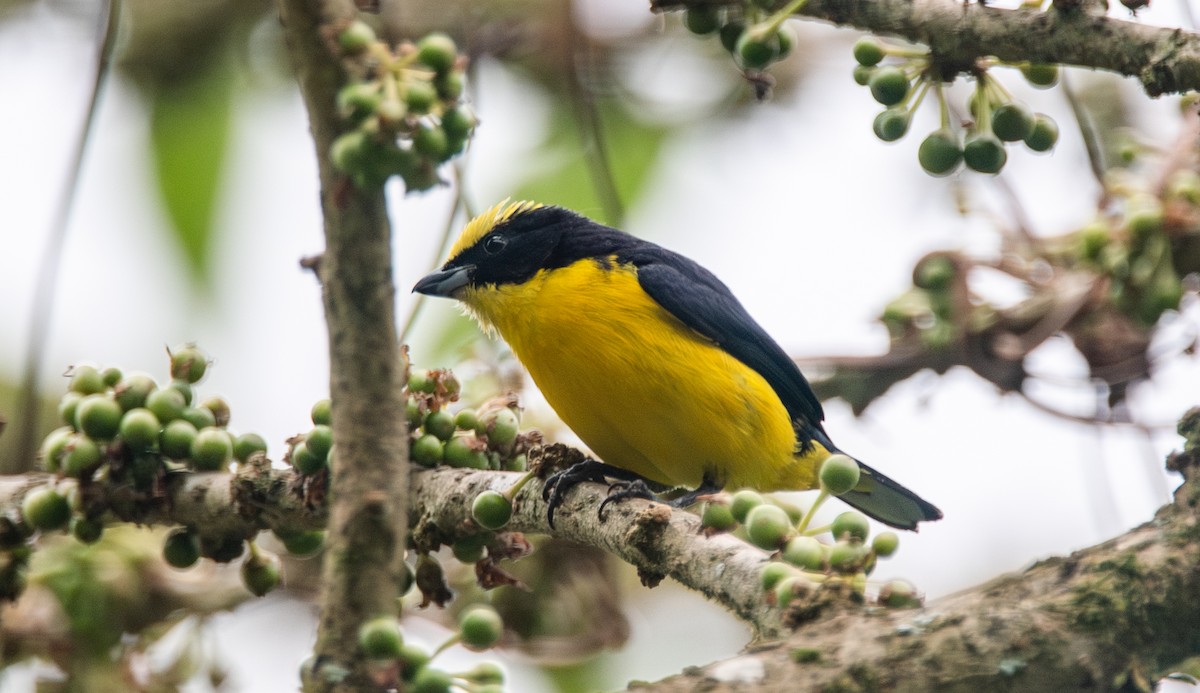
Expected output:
(479, 226)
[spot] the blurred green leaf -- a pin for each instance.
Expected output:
(189, 130)
(632, 148)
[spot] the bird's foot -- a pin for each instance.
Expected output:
(624, 490)
(559, 483)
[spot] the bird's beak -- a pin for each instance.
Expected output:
(445, 282)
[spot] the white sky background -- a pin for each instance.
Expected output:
(812, 222)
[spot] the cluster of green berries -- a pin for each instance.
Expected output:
(997, 119)
(311, 453)
(407, 112)
(381, 641)
(489, 437)
(926, 310)
(753, 35)
(130, 431)
(805, 561)
(1133, 243)
(127, 427)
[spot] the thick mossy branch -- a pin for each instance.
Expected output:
(365, 541)
(1164, 60)
(1111, 617)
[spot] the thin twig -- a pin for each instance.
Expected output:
(42, 313)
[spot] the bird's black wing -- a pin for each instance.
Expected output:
(702, 302)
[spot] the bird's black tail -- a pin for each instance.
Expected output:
(887, 501)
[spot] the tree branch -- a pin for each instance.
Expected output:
(1164, 60)
(366, 538)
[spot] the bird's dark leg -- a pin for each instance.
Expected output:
(555, 490)
(637, 488)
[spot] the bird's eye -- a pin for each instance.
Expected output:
(494, 244)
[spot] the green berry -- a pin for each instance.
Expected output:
(220, 409)
(459, 122)
(449, 86)
(305, 461)
(717, 516)
(773, 572)
(87, 531)
(199, 417)
(846, 556)
(891, 124)
(459, 453)
(86, 380)
(804, 552)
(319, 441)
(862, 75)
(1040, 74)
(428, 680)
(167, 404)
(356, 38)
(934, 273)
(485, 673)
(427, 450)
(303, 543)
(480, 627)
(437, 51)
(413, 660)
(1012, 122)
(756, 49)
(503, 427)
(1044, 135)
(768, 526)
(431, 141)
(110, 376)
(380, 638)
(132, 392)
(140, 428)
(260, 572)
(184, 388)
(469, 549)
(467, 420)
(851, 525)
(730, 33)
(358, 101)
(81, 455)
(181, 549)
(900, 594)
(176, 439)
(68, 406)
(212, 449)
(45, 509)
(702, 20)
(868, 51)
(188, 363)
(246, 445)
(939, 153)
(839, 473)
(98, 416)
(54, 447)
(743, 502)
(420, 380)
(322, 413)
(491, 510)
(350, 151)
(789, 588)
(420, 97)
(885, 544)
(889, 85)
(440, 423)
(984, 153)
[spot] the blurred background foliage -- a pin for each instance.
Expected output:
(597, 106)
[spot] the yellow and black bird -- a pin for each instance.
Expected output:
(650, 359)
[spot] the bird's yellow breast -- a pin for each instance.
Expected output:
(644, 391)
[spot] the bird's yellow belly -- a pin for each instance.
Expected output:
(644, 391)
